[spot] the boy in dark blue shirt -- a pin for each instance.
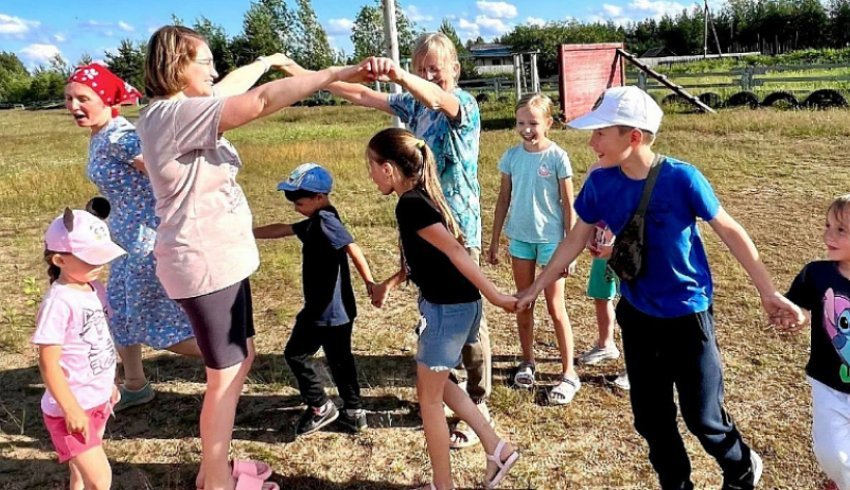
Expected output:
(665, 313)
(327, 318)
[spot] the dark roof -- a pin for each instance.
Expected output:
(489, 50)
(657, 52)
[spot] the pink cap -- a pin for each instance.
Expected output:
(84, 236)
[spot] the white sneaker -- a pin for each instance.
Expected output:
(622, 381)
(599, 354)
(757, 466)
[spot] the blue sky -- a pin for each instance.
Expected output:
(38, 29)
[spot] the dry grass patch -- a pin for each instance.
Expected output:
(774, 171)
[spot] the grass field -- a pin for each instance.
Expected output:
(774, 171)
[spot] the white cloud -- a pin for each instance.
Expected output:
(125, 26)
(39, 53)
(535, 21)
(612, 10)
(483, 26)
(656, 8)
(16, 26)
(59, 37)
(499, 10)
(635, 11)
(339, 27)
(413, 13)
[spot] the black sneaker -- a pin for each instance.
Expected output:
(353, 420)
(314, 419)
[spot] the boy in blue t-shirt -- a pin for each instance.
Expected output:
(327, 318)
(665, 313)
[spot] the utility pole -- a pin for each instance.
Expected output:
(391, 35)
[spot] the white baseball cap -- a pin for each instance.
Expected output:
(622, 106)
(83, 235)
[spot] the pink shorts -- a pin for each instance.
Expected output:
(69, 446)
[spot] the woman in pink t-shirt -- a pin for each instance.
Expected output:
(205, 247)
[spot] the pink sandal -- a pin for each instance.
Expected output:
(249, 467)
(503, 466)
(249, 482)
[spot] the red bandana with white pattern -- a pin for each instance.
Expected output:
(112, 90)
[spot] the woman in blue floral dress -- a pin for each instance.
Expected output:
(142, 312)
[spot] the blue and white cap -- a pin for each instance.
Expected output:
(308, 177)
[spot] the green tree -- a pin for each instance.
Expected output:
(367, 33)
(14, 78)
(266, 29)
(128, 62)
(85, 59)
(313, 50)
(467, 65)
(218, 43)
(839, 17)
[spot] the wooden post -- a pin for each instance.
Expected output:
(517, 76)
(535, 75)
(391, 35)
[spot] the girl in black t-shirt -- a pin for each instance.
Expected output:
(434, 258)
(823, 288)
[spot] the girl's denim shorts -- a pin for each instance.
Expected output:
(443, 331)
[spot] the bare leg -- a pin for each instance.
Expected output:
(134, 372)
(462, 405)
(76, 477)
(523, 278)
(224, 386)
(429, 389)
(93, 467)
(604, 322)
(188, 348)
(563, 330)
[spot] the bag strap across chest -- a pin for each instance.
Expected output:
(649, 184)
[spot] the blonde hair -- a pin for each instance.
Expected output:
(170, 51)
(840, 208)
(435, 42)
(412, 157)
(540, 102)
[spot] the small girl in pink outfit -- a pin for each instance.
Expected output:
(75, 351)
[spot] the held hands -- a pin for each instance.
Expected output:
(525, 299)
(359, 73)
(378, 293)
(385, 69)
(784, 315)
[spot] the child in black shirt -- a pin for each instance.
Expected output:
(327, 318)
(823, 288)
(434, 258)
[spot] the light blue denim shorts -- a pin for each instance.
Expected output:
(443, 331)
(538, 252)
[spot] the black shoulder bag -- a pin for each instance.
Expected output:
(629, 250)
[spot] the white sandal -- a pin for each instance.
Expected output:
(564, 392)
(503, 466)
(524, 377)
